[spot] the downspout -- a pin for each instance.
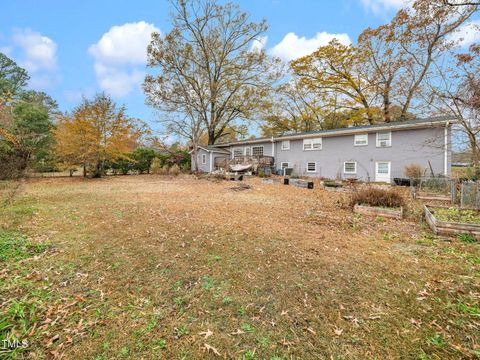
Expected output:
(446, 149)
(211, 161)
(273, 150)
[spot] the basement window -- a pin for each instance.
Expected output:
(349, 167)
(284, 165)
(311, 167)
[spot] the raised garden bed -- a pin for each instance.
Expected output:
(379, 211)
(449, 221)
(271, 181)
(301, 183)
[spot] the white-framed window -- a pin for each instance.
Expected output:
(384, 139)
(286, 145)
(204, 158)
(312, 144)
(284, 165)
(350, 167)
(311, 167)
(248, 151)
(257, 150)
(237, 152)
(360, 140)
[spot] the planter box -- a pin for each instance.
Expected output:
(377, 211)
(449, 227)
(271, 181)
(301, 183)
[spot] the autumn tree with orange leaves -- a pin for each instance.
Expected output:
(97, 131)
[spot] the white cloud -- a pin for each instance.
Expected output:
(259, 44)
(120, 57)
(292, 47)
(37, 54)
(380, 7)
(467, 34)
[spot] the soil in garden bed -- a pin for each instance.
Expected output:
(456, 215)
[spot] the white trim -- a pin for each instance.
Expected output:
(350, 172)
(446, 151)
(310, 142)
(258, 146)
(285, 148)
(309, 171)
(355, 140)
(249, 150)
(273, 148)
(211, 161)
(204, 159)
(284, 162)
(389, 141)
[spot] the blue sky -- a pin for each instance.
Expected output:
(72, 47)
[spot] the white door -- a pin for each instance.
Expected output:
(382, 171)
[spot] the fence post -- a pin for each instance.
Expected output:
(461, 195)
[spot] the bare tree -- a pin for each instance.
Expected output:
(210, 66)
(456, 91)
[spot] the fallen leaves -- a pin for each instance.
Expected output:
(212, 349)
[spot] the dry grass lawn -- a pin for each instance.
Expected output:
(150, 267)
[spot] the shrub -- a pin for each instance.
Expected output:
(156, 166)
(163, 170)
(377, 197)
(174, 170)
(413, 171)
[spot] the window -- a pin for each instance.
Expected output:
(284, 165)
(384, 139)
(237, 152)
(311, 167)
(383, 167)
(286, 145)
(204, 158)
(349, 167)
(257, 150)
(312, 144)
(361, 140)
(248, 151)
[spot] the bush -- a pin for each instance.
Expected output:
(156, 166)
(163, 170)
(174, 170)
(413, 171)
(377, 197)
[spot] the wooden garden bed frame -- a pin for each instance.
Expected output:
(378, 211)
(449, 227)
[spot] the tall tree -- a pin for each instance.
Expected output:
(210, 67)
(98, 131)
(335, 71)
(456, 91)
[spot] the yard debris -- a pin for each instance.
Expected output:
(338, 331)
(240, 187)
(237, 332)
(206, 334)
(211, 348)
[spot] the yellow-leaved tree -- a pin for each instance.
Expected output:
(97, 131)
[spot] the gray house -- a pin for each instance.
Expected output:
(370, 153)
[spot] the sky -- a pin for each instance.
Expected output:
(78, 48)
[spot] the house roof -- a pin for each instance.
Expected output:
(397, 125)
(212, 149)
